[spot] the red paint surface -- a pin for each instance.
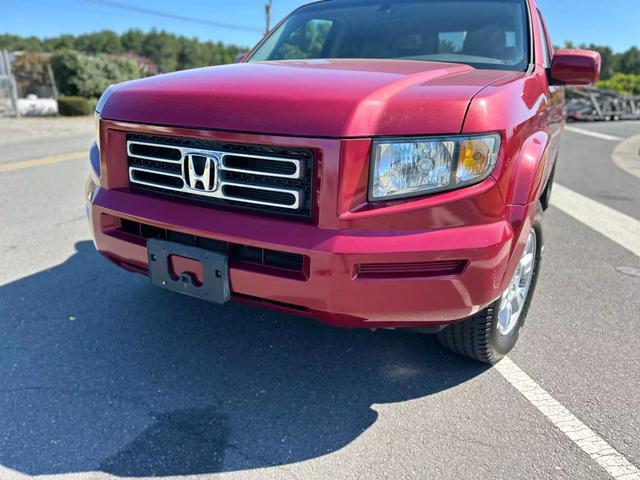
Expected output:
(327, 98)
(334, 108)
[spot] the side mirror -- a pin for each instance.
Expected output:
(575, 67)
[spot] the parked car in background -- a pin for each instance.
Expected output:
(370, 164)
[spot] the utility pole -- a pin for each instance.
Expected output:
(267, 9)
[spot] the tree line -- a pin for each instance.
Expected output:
(166, 51)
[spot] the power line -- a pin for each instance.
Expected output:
(183, 18)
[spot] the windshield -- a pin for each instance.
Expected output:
(481, 33)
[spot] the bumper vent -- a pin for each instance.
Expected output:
(291, 262)
(410, 270)
(253, 178)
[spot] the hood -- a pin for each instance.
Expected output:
(319, 98)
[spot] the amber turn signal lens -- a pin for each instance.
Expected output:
(477, 156)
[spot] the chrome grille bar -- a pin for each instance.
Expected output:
(297, 174)
(154, 172)
(173, 158)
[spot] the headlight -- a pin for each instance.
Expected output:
(402, 168)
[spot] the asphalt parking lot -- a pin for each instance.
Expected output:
(104, 376)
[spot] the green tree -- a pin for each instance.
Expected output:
(629, 61)
(16, 43)
(133, 40)
(104, 41)
(191, 53)
(162, 48)
(63, 42)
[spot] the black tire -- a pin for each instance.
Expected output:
(478, 337)
(545, 199)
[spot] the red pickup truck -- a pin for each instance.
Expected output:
(376, 164)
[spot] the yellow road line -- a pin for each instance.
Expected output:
(37, 162)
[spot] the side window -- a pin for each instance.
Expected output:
(306, 41)
(546, 60)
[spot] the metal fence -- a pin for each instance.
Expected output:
(27, 85)
(8, 90)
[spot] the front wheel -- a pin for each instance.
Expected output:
(492, 333)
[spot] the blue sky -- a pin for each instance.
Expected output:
(609, 22)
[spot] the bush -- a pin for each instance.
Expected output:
(75, 106)
(627, 84)
(87, 76)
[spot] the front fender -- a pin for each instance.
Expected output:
(527, 182)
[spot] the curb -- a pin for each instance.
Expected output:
(627, 155)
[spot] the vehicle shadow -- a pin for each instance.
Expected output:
(99, 371)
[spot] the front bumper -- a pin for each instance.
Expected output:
(331, 290)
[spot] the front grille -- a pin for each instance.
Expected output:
(276, 180)
(292, 262)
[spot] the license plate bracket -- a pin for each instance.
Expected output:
(215, 285)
